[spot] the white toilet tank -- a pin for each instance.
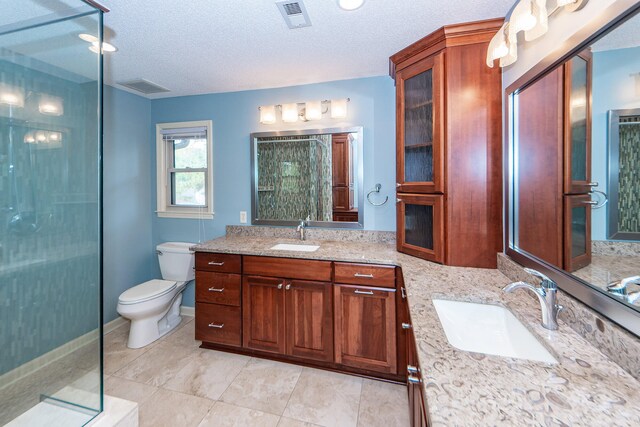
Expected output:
(176, 261)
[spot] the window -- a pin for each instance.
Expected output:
(185, 179)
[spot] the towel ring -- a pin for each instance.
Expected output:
(376, 190)
(604, 197)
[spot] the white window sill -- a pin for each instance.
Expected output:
(185, 214)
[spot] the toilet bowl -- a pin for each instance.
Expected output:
(154, 306)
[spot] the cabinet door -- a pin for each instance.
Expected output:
(263, 313)
(309, 319)
(420, 226)
(420, 152)
(365, 328)
(577, 146)
(577, 232)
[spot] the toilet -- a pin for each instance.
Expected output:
(154, 306)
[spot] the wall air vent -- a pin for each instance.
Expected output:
(294, 13)
(143, 86)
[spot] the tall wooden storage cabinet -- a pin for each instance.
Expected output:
(449, 147)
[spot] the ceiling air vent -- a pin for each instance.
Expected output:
(143, 86)
(294, 13)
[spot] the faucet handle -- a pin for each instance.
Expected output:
(546, 283)
(308, 218)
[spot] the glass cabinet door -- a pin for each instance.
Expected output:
(578, 124)
(419, 152)
(577, 232)
(421, 226)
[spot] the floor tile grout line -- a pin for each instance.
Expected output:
(291, 394)
(359, 401)
(234, 378)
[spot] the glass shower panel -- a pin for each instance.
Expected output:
(50, 214)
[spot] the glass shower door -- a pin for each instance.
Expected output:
(50, 213)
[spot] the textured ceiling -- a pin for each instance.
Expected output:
(204, 46)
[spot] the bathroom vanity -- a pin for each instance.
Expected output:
(317, 319)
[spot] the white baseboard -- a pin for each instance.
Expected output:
(187, 311)
(114, 324)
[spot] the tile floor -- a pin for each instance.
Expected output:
(180, 385)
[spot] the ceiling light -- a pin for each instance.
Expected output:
(88, 38)
(290, 113)
(339, 108)
(350, 4)
(106, 47)
(313, 110)
(268, 114)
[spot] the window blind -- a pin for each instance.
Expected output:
(199, 132)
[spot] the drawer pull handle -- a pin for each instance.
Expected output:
(219, 264)
(216, 289)
(213, 325)
(368, 276)
(358, 291)
(414, 380)
(412, 369)
(406, 325)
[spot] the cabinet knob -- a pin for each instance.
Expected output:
(412, 369)
(406, 325)
(280, 286)
(398, 200)
(286, 288)
(414, 380)
(398, 185)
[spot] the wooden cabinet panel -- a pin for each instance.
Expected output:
(289, 268)
(218, 324)
(350, 216)
(365, 274)
(420, 227)
(419, 118)
(263, 310)
(340, 159)
(218, 288)
(365, 327)
(309, 319)
(221, 263)
(417, 403)
(341, 198)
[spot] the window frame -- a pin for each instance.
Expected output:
(164, 169)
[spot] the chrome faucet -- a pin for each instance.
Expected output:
(546, 293)
(621, 288)
(304, 223)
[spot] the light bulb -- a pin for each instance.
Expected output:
(41, 136)
(50, 105)
(501, 50)
(88, 38)
(29, 138)
(338, 108)
(562, 3)
(313, 110)
(10, 95)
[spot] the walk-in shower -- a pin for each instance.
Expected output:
(50, 213)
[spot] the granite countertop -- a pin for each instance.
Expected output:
(461, 388)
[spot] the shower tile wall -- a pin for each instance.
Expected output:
(629, 179)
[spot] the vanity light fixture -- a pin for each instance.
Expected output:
(267, 114)
(530, 17)
(50, 105)
(290, 113)
(29, 138)
(89, 38)
(350, 4)
(339, 108)
(313, 110)
(12, 96)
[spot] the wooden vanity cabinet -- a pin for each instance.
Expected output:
(417, 404)
(449, 146)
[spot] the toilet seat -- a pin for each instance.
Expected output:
(147, 291)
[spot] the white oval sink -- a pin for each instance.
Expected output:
(489, 329)
(297, 248)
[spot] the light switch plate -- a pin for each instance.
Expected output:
(243, 217)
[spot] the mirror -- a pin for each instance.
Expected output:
(574, 167)
(308, 174)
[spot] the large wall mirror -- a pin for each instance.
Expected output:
(308, 174)
(574, 172)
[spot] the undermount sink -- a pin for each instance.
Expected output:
(489, 329)
(298, 248)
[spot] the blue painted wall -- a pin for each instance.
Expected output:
(128, 258)
(615, 87)
(235, 116)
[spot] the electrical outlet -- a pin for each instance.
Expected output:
(243, 217)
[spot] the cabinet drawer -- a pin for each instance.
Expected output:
(218, 324)
(222, 263)
(289, 268)
(366, 274)
(218, 288)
